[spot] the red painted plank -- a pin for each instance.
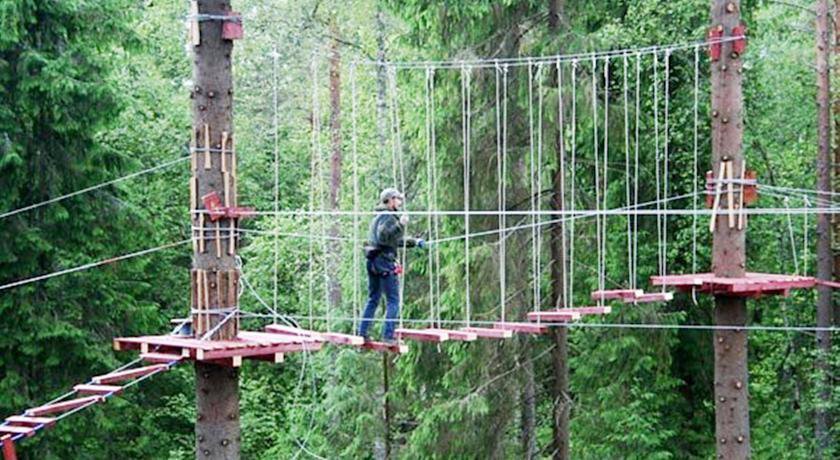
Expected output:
(488, 333)
(463, 336)
(64, 406)
(273, 338)
(274, 358)
(398, 348)
(8, 448)
(591, 310)
(616, 294)
(651, 297)
(342, 339)
(205, 355)
(30, 421)
(14, 429)
(98, 389)
(561, 316)
(750, 285)
(160, 358)
(423, 335)
(522, 328)
(288, 330)
(129, 374)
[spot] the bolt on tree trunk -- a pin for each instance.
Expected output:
(732, 418)
(824, 256)
(215, 276)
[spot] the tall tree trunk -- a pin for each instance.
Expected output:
(561, 400)
(836, 185)
(334, 284)
(732, 415)
(824, 256)
(529, 407)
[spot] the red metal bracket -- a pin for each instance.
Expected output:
(714, 36)
(232, 28)
(213, 204)
(750, 189)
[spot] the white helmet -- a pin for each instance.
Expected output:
(389, 193)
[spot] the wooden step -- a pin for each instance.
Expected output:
(560, 316)
(591, 310)
(522, 328)
(64, 406)
(652, 297)
(463, 336)
(288, 330)
(616, 294)
(30, 421)
(423, 335)
(86, 389)
(342, 339)
(160, 358)
(398, 348)
(488, 333)
(129, 374)
(14, 429)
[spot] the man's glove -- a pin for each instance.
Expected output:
(404, 220)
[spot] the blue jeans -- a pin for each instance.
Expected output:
(381, 278)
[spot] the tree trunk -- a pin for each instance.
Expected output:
(824, 256)
(214, 277)
(334, 284)
(836, 184)
(529, 407)
(732, 418)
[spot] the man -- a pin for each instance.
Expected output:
(387, 234)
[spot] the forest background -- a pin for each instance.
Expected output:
(92, 90)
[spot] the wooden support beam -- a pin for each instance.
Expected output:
(160, 358)
(456, 335)
(14, 429)
(560, 316)
(9, 452)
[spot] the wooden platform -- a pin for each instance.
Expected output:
(562, 315)
(334, 338)
(651, 297)
(261, 346)
(751, 285)
(398, 348)
(458, 335)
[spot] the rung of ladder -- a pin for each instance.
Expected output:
(342, 339)
(652, 297)
(463, 336)
(554, 316)
(129, 374)
(64, 406)
(616, 294)
(423, 335)
(160, 358)
(488, 333)
(591, 310)
(398, 348)
(14, 429)
(522, 328)
(30, 421)
(86, 389)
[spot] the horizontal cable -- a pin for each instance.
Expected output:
(93, 187)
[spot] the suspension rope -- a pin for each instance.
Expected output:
(276, 182)
(597, 170)
(466, 124)
(658, 158)
(603, 250)
(356, 203)
(503, 197)
(95, 187)
(434, 178)
(532, 161)
(666, 142)
(627, 177)
(636, 172)
(563, 297)
(571, 298)
(429, 191)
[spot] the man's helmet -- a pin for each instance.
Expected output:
(389, 193)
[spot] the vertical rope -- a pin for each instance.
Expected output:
(595, 151)
(666, 186)
(538, 228)
(562, 145)
(356, 204)
(658, 160)
(312, 181)
(571, 296)
(435, 190)
(399, 166)
(805, 245)
(503, 184)
(532, 184)
(627, 178)
(636, 173)
(499, 186)
(274, 56)
(428, 134)
(602, 284)
(465, 80)
(694, 170)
